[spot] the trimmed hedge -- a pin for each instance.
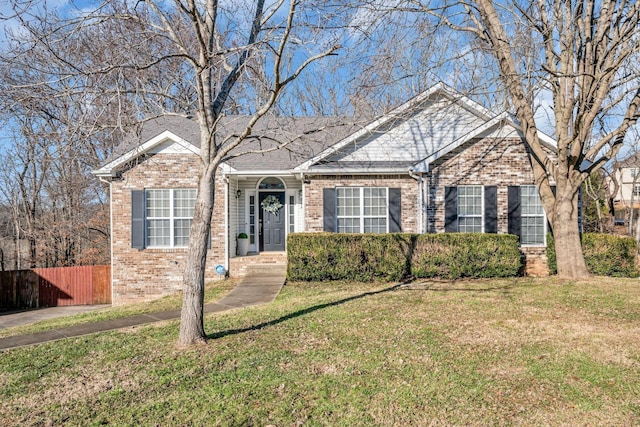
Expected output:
(604, 254)
(474, 255)
(395, 256)
(336, 256)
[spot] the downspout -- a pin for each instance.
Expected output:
(110, 230)
(420, 200)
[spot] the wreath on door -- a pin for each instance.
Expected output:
(271, 204)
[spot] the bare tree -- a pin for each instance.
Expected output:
(214, 86)
(23, 171)
(226, 56)
(594, 190)
(584, 53)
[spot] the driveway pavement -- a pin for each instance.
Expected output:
(24, 317)
(254, 289)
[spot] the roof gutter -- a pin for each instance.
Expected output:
(358, 172)
(261, 172)
(101, 174)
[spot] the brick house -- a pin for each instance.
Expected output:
(624, 185)
(438, 163)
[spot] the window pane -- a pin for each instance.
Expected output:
(158, 232)
(375, 225)
(168, 216)
(158, 217)
(181, 231)
(533, 218)
(348, 201)
(469, 200)
(532, 231)
(470, 225)
(375, 201)
(252, 220)
(361, 209)
(183, 202)
(271, 183)
(530, 203)
(348, 225)
(470, 209)
(158, 203)
(292, 214)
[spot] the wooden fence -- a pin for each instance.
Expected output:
(51, 287)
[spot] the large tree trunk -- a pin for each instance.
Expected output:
(566, 234)
(192, 316)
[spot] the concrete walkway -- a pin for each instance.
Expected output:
(254, 289)
(24, 317)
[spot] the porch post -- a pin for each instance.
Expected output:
(226, 223)
(303, 204)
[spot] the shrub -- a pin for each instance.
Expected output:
(458, 255)
(604, 254)
(336, 256)
(366, 257)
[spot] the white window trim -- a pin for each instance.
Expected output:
(481, 216)
(544, 222)
(253, 247)
(362, 216)
(172, 218)
(288, 194)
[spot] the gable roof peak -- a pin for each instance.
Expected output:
(400, 111)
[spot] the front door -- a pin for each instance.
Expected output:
(272, 223)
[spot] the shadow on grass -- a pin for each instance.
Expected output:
(452, 286)
(299, 313)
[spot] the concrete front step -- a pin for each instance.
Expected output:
(266, 270)
(264, 263)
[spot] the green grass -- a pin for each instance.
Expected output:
(490, 352)
(213, 292)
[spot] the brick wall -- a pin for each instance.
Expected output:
(313, 196)
(491, 161)
(142, 275)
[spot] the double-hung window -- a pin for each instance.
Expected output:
(532, 216)
(470, 209)
(362, 209)
(169, 213)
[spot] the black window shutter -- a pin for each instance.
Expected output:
(329, 209)
(395, 210)
(451, 209)
(491, 209)
(513, 202)
(137, 219)
(580, 210)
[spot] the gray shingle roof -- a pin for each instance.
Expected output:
(299, 138)
(183, 127)
(305, 137)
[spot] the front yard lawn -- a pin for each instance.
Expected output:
(495, 352)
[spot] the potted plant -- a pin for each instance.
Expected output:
(243, 244)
